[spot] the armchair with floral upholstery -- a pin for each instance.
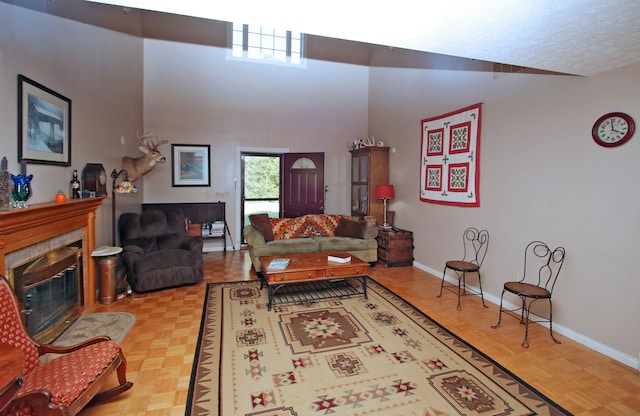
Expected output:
(66, 384)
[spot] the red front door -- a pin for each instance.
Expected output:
(303, 179)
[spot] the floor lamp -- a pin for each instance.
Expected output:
(125, 187)
(385, 192)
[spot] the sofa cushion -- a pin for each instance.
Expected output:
(349, 228)
(287, 246)
(170, 241)
(288, 228)
(147, 244)
(320, 225)
(262, 223)
(345, 244)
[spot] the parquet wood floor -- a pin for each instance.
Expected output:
(160, 347)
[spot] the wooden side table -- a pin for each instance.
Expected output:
(395, 247)
(12, 365)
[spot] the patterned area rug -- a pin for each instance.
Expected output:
(350, 356)
(116, 325)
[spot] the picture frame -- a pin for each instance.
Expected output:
(190, 165)
(44, 124)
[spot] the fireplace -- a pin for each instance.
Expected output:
(30, 233)
(48, 290)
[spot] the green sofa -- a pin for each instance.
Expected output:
(309, 234)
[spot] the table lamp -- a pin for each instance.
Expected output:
(385, 192)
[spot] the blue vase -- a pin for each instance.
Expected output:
(21, 190)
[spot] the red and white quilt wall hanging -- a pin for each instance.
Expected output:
(450, 158)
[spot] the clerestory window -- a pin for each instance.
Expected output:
(266, 44)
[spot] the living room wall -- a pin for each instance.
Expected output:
(541, 177)
(99, 70)
(193, 94)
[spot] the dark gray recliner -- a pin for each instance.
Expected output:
(157, 251)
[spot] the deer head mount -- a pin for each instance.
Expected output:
(136, 167)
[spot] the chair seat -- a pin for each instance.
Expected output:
(462, 266)
(527, 289)
(69, 375)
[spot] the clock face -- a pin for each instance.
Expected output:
(613, 129)
(102, 177)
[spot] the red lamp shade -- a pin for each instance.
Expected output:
(384, 192)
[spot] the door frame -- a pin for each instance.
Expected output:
(238, 169)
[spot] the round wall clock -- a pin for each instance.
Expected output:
(613, 129)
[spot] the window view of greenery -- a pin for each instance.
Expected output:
(261, 185)
(266, 44)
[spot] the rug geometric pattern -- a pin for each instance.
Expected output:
(350, 356)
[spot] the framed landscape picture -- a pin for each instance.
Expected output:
(44, 124)
(190, 165)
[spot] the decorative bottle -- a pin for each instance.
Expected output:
(74, 186)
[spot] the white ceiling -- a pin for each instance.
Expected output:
(581, 37)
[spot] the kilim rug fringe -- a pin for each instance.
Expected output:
(349, 356)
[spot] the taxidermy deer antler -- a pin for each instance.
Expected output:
(136, 167)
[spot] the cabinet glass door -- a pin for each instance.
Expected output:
(364, 168)
(359, 199)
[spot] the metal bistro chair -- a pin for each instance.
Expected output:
(540, 260)
(475, 244)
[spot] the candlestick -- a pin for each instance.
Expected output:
(4, 163)
(23, 167)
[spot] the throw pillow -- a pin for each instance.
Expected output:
(349, 228)
(262, 223)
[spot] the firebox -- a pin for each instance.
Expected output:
(49, 291)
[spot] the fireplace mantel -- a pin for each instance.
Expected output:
(21, 228)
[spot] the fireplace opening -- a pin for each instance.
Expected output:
(48, 289)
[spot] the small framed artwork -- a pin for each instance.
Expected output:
(190, 165)
(44, 124)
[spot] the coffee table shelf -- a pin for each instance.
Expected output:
(311, 277)
(315, 291)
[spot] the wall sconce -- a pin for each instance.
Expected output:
(125, 187)
(385, 192)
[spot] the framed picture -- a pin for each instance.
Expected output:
(190, 165)
(44, 124)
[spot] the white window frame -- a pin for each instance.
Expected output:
(266, 45)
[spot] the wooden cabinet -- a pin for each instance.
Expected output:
(395, 247)
(369, 167)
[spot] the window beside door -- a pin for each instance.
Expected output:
(261, 186)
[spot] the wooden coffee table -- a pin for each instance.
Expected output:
(313, 268)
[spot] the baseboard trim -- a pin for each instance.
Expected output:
(607, 350)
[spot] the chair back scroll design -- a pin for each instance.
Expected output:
(546, 264)
(476, 244)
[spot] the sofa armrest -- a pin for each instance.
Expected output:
(253, 236)
(131, 254)
(193, 243)
(370, 233)
(134, 250)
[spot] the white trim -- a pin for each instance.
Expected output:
(236, 180)
(607, 350)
